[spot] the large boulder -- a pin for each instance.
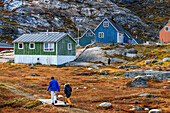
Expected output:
(137, 82)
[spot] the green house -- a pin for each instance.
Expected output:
(50, 48)
(87, 38)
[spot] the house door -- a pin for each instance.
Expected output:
(120, 38)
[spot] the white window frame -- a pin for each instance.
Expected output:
(105, 24)
(102, 34)
(69, 46)
(168, 28)
(30, 45)
(48, 47)
(22, 46)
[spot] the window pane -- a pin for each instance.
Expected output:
(46, 45)
(31, 45)
(166, 28)
(20, 45)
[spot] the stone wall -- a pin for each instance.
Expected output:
(159, 74)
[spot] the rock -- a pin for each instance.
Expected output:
(90, 68)
(115, 78)
(155, 111)
(131, 66)
(139, 55)
(32, 66)
(103, 72)
(147, 61)
(154, 61)
(60, 96)
(166, 51)
(159, 63)
(95, 67)
(94, 88)
(34, 74)
(23, 75)
(169, 82)
(105, 105)
(166, 59)
(85, 87)
(166, 87)
(148, 74)
(136, 108)
(139, 82)
(148, 95)
(120, 67)
(146, 109)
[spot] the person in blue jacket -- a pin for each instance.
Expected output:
(54, 86)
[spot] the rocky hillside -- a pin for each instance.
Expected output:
(143, 18)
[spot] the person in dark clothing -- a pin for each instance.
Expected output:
(109, 60)
(67, 91)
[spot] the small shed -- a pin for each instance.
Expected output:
(87, 38)
(6, 46)
(50, 48)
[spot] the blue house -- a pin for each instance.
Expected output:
(87, 38)
(109, 31)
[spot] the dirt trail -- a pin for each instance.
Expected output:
(32, 96)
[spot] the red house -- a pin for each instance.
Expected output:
(164, 34)
(5, 46)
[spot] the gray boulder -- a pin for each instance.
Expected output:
(105, 105)
(34, 74)
(138, 82)
(136, 108)
(155, 111)
(103, 72)
(159, 63)
(147, 61)
(166, 51)
(166, 59)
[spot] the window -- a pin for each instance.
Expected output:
(69, 46)
(105, 24)
(101, 35)
(48, 46)
(32, 45)
(167, 28)
(20, 45)
(87, 34)
(91, 34)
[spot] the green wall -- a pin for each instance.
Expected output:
(85, 40)
(39, 49)
(62, 47)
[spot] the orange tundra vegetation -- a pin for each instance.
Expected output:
(19, 90)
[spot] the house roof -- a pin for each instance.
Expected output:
(6, 45)
(86, 32)
(42, 37)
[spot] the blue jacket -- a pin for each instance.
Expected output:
(53, 84)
